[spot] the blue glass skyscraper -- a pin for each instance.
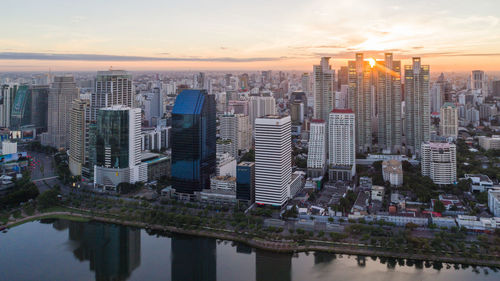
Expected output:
(193, 141)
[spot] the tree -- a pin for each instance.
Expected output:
(482, 197)
(48, 198)
(439, 206)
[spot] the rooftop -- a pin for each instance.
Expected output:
(338, 110)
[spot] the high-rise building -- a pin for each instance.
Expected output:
(496, 88)
(273, 160)
(439, 162)
(118, 147)
(77, 129)
(306, 83)
(342, 144)
(316, 156)
(479, 82)
(229, 131)
(343, 77)
(39, 106)
(437, 96)
(297, 110)
(259, 107)
(417, 105)
(389, 103)
(62, 93)
(20, 114)
(244, 132)
(245, 182)
(361, 92)
(7, 95)
(113, 87)
(449, 120)
(323, 88)
(153, 107)
(193, 141)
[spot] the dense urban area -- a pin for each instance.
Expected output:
(370, 157)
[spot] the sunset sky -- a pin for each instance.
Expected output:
(239, 35)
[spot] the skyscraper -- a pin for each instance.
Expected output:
(113, 87)
(449, 120)
(245, 182)
(343, 77)
(7, 94)
(77, 136)
(361, 94)
(39, 106)
(389, 103)
(229, 131)
(324, 89)
(20, 114)
(342, 144)
(62, 93)
(479, 82)
(417, 105)
(273, 160)
(193, 141)
(244, 132)
(316, 156)
(259, 107)
(118, 147)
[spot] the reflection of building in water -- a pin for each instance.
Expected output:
(243, 249)
(113, 251)
(60, 225)
(193, 258)
(361, 260)
(273, 266)
(321, 257)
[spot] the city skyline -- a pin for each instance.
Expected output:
(247, 37)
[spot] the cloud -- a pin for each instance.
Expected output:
(97, 57)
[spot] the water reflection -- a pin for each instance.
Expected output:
(193, 258)
(113, 251)
(273, 266)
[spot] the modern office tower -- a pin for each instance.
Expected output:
(244, 132)
(77, 134)
(193, 141)
(342, 144)
(153, 107)
(113, 87)
(273, 160)
(479, 82)
(118, 147)
(323, 88)
(389, 103)
(437, 96)
(245, 182)
(306, 83)
(439, 162)
(39, 106)
(20, 114)
(297, 110)
(7, 94)
(259, 107)
(343, 77)
(496, 88)
(448, 126)
(316, 156)
(229, 131)
(361, 91)
(200, 81)
(417, 105)
(62, 93)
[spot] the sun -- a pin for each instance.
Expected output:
(372, 62)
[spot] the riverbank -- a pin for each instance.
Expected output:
(284, 246)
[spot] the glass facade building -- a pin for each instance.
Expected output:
(245, 182)
(112, 139)
(21, 108)
(193, 141)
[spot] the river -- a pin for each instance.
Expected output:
(66, 250)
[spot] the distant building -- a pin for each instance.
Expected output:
(77, 151)
(273, 160)
(449, 120)
(496, 88)
(494, 202)
(245, 182)
(392, 171)
(62, 93)
(118, 147)
(324, 88)
(439, 162)
(316, 156)
(193, 141)
(342, 144)
(488, 143)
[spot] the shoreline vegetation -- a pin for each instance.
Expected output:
(282, 246)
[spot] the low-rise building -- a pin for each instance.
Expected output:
(297, 183)
(223, 183)
(226, 165)
(377, 193)
(392, 171)
(488, 143)
(479, 182)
